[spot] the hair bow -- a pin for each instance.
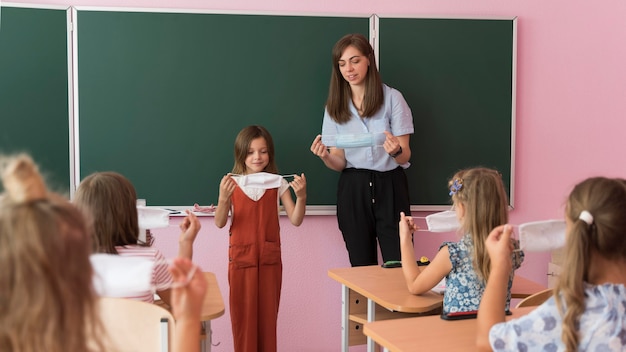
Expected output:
(456, 186)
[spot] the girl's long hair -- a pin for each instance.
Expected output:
(486, 206)
(605, 200)
(47, 299)
(109, 201)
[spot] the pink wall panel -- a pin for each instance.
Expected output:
(571, 99)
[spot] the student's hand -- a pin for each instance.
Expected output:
(227, 187)
(299, 185)
(318, 148)
(187, 292)
(392, 143)
(499, 246)
(189, 227)
(407, 227)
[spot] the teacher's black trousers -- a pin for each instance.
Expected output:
(368, 209)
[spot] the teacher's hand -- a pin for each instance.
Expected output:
(318, 148)
(392, 143)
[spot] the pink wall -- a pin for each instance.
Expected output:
(570, 121)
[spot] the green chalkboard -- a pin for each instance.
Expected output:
(163, 95)
(457, 76)
(34, 112)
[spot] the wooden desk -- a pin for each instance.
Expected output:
(212, 307)
(371, 293)
(429, 333)
(522, 287)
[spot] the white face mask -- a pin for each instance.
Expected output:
(263, 180)
(445, 221)
(542, 236)
(357, 140)
(153, 218)
(118, 276)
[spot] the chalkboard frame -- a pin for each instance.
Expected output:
(376, 31)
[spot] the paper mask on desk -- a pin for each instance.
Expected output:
(119, 276)
(445, 221)
(357, 140)
(263, 180)
(542, 236)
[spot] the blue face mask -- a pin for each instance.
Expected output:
(357, 140)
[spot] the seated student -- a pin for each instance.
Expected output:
(588, 309)
(47, 299)
(109, 200)
(480, 203)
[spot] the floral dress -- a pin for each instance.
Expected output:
(602, 325)
(463, 287)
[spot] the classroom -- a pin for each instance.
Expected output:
(569, 107)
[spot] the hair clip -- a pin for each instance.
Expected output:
(456, 186)
(22, 180)
(586, 217)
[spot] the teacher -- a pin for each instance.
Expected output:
(373, 187)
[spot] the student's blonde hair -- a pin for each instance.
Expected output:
(484, 199)
(242, 144)
(109, 201)
(47, 300)
(605, 200)
(339, 91)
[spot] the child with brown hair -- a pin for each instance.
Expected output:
(109, 200)
(47, 297)
(255, 264)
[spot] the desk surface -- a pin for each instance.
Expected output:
(435, 334)
(522, 287)
(213, 305)
(386, 286)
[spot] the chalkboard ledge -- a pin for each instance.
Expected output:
(179, 211)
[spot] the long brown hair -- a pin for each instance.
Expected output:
(242, 144)
(47, 299)
(484, 198)
(605, 200)
(109, 200)
(340, 93)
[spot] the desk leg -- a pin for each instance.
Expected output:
(205, 346)
(345, 317)
(371, 316)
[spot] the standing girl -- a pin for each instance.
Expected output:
(588, 309)
(480, 203)
(255, 264)
(373, 188)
